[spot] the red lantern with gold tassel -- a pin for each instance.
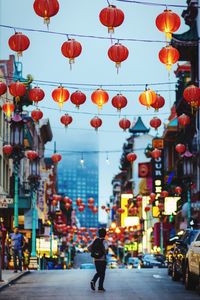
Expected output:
(8, 109)
(169, 56)
(66, 120)
(159, 103)
(78, 98)
(3, 88)
(192, 95)
(111, 17)
(18, 43)
(119, 101)
(100, 97)
(46, 9)
(17, 89)
(124, 124)
(60, 95)
(168, 22)
(36, 94)
(36, 115)
(71, 49)
(155, 123)
(118, 53)
(184, 120)
(96, 122)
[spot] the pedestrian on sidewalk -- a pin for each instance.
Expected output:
(98, 249)
(16, 244)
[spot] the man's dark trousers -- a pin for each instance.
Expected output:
(17, 254)
(101, 270)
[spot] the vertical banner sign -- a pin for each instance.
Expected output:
(158, 174)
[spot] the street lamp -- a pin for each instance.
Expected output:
(17, 142)
(34, 176)
(188, 171)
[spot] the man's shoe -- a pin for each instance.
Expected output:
(92, 285)
(15, 271)
(101, 290)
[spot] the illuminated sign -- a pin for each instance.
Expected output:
(158, 143)
(124, 202)
(131, 221)
(144, 170)
(43, 245)
(170, 205)
(131, 247)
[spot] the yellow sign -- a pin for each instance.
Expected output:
(158, 143)
(131, 247)
(124, 202)
(155, 211)
(171, 205)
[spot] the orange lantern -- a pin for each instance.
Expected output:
(192, 95)
(56, 158)
(168, 22)
(8, 109)
(60, 95)
(100, 97)
(147, 98)
(111, 17)
(118, 53)
(18, 43)
(71, 49)
(46, 9)
(169, 55)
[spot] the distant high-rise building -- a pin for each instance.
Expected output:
(78, 178)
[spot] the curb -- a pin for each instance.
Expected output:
(13, 279)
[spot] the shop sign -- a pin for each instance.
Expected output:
(131, 247)
(5, 201)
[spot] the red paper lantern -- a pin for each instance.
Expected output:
(119, 101)
(56, 197)
(139, 198)
(124, 124)
(56, 158)
(71, 49)
(169, 55)
(180, 148)
(31, 155)
(7, 150)
(54, 203)
(147, 208)
(192, 95)
(155, 123)
(111, 17)
(19, 43)
(91, 201)
(147, 98)
(36, 94)
(36, 115)
(78, 98)
(183, 120)
(17, 89)
(8, 109)
(67, 200)
(164, 194)
(152, 196)
(3, 88)
(161, 206)
(159, 103)
(118, 53)
(156, 153)
(100, 97)
(60, 95)
(178, 190)
(120, 210)
(79, 201)
(168, 22)
(46, 9)
(67, 206)
(131, 157)
(66, 120)
(95, 210)
(133, 210)
(96, 122)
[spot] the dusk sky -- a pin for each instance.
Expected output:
(44, 61)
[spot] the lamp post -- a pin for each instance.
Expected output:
(188, 171)
(17, 142)
(33, 178)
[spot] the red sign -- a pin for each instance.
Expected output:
(144, 170)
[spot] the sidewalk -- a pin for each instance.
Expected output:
(9, 277)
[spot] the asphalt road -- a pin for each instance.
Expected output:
(144, 284)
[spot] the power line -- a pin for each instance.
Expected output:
(157, 4)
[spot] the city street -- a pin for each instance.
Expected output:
(153, 284)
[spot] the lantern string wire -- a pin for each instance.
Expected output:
(82, 35)
(156, 4)
(74, 85)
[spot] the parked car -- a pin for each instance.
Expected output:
(87, 266)
(192, 271)
(179, 254)
(153, 260)
(134, 262)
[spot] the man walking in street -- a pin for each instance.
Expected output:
(17, 243)
(98, 249)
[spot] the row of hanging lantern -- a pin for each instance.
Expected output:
(111, 17)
